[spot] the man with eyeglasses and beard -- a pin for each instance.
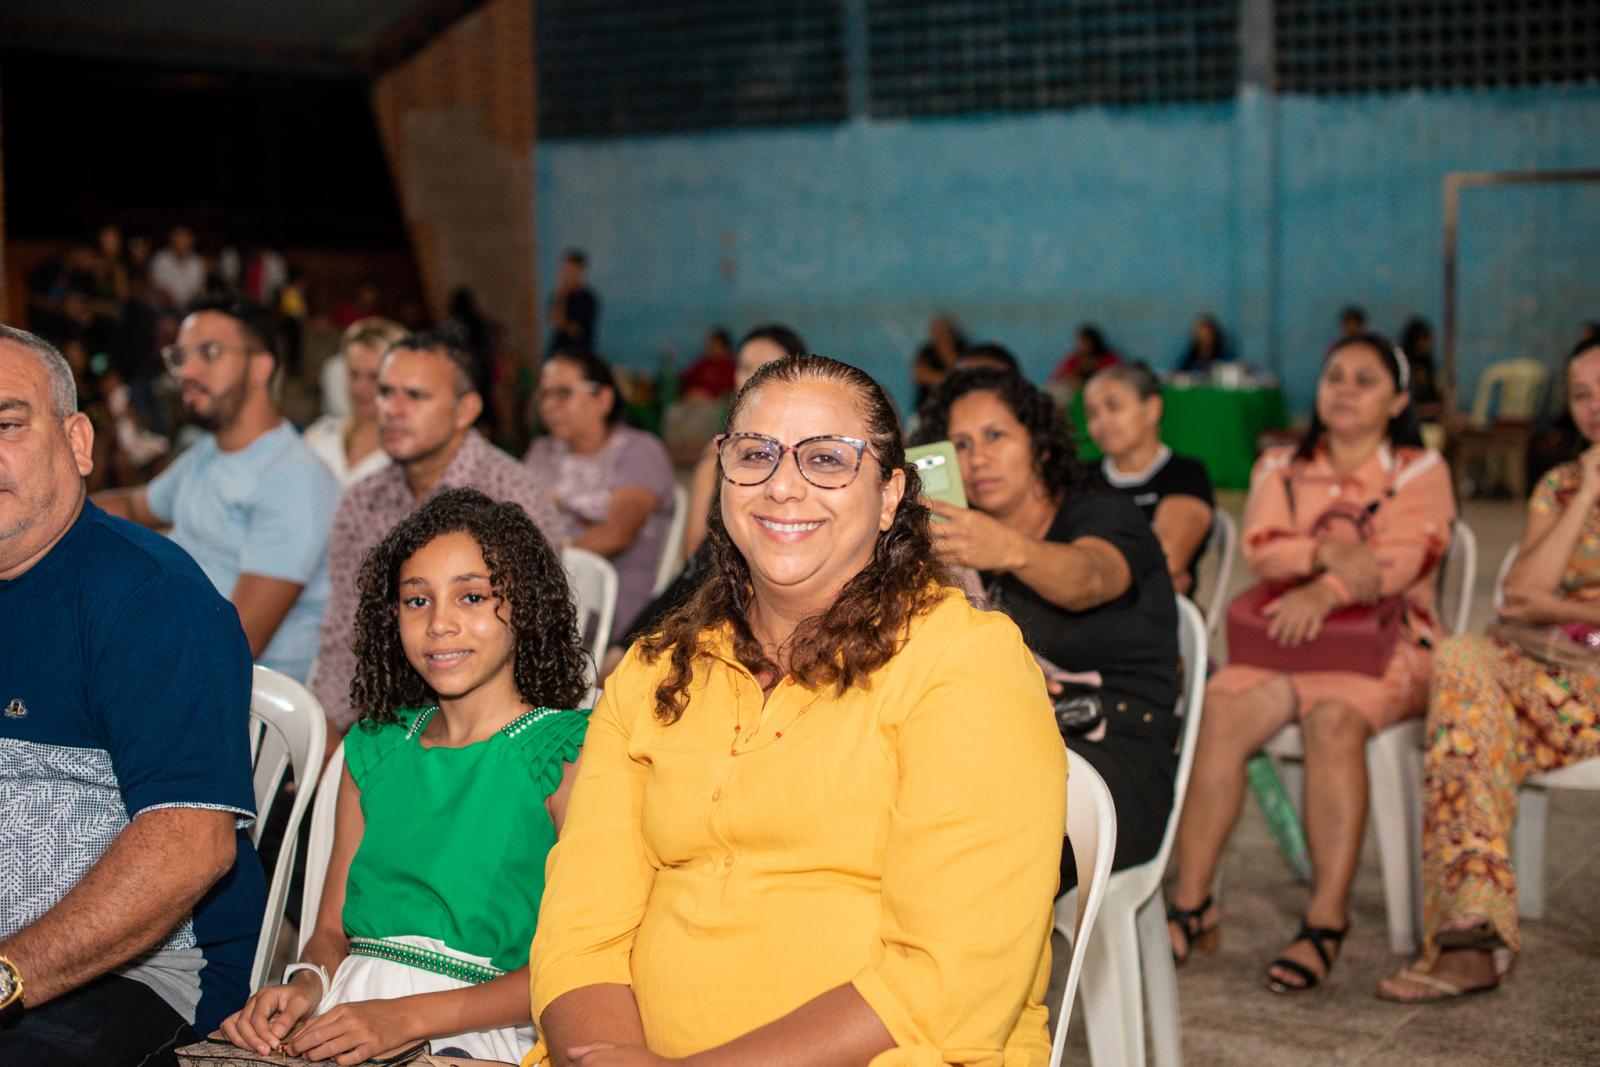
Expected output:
(250, 501)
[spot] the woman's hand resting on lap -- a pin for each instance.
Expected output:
(1297, 616)
(1534, 607)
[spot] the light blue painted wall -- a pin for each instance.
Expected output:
(1269, 211)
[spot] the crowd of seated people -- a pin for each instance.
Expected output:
(785, 743)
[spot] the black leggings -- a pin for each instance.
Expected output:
(1139, 770)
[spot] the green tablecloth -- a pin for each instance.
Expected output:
(1217, 426)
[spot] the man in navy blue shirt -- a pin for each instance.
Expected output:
(130, 897)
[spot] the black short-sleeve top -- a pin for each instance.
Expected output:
(1131, 640)
(1168, 475)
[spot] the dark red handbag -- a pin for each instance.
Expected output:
(1359, 638)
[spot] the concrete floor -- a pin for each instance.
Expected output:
(1548, 1014)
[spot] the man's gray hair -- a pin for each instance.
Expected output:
(63, 389)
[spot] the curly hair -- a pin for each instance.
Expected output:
(1055, 456)
(868, 622)
(550, 664)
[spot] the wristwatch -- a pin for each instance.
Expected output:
(11, 1008)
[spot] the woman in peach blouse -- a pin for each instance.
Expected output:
(1358, 512)
(818, 815)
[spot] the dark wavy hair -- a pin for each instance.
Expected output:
(779, 335)
(550, 666)
(867, 624)
(1055, 457)
(1403, 431)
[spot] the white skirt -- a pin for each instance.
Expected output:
(369, 978)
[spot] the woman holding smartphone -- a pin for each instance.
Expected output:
(1078, 568)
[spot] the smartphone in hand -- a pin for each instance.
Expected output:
(940, 473)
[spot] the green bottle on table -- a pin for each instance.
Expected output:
(1279, 812)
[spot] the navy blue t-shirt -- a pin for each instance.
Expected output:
(125, 686)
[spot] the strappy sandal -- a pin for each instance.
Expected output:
(1480, 938)
(1318, 937)
(1197, 937)
(1439, 988)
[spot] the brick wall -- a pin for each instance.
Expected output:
(458, 126)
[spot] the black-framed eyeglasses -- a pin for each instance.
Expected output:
(175, 356)
(828, 461)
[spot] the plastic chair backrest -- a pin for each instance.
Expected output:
(1092, 833)
(1500, 576)
(1224, 542)
(319, 847)
(1193, 652)
(1458, 571)
(1520, 383)
(672, 548)
(287, 730)
(594, 589)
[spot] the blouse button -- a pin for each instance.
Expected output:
(1121, 706)
(1147, 716)
(716, 795)
(727, 861)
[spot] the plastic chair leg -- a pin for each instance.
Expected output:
(1391, 816)
(1160, 982)
(1293, 773)
(1527, 851)
(1113, 1011)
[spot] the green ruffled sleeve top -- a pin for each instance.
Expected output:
(456, 838)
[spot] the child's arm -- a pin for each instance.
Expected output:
(269, 1015)
(364, 1030)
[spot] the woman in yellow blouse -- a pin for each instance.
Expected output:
(818, 814)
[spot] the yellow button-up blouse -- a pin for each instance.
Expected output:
(904, 837)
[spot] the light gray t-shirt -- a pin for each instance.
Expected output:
(266, 509)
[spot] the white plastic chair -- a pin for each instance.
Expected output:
(1520, 384)
(594, 589)
(1224, 542)
(672, 548)
(1092, 833)
(1131, 937)
(1527, 837)
(1500, 576)
(287, 729)
(319, 847)
(1394, 768)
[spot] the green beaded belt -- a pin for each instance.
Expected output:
(424, 959)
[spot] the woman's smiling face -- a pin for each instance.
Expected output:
(799, 541)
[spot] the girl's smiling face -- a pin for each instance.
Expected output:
(453, 626)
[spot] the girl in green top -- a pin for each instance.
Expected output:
(454, 788)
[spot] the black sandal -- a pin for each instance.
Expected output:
(1196, 936)
(1317, 937)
